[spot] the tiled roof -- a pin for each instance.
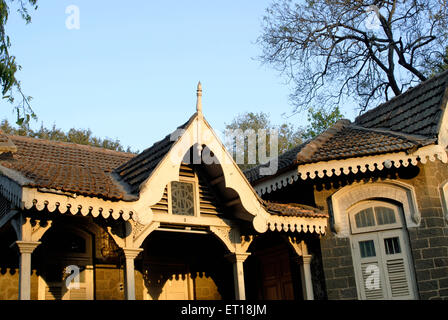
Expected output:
(68, 167)
(350, 141)
(294, 210)
(134, 172)
(90, 171)
(285, 161)
(406, 122)
(344, 140)
(6, 144)
(416, 111)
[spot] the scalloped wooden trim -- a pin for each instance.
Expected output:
(74, 205)
(298, 224)
(353, 165)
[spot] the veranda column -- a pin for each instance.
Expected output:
(238, 274)
(26, 248)
(307, 283)
(130, 255)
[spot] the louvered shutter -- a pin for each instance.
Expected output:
(397, 266)
(369, 268)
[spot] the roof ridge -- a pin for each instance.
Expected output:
(401, 95)
(412, 137)
(70, 144)
(311, 147)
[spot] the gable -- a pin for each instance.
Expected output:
(231, 182)
(134, 172)
(69, 178)
(210, 203)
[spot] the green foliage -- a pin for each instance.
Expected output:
(79, 136)
(288, 135)
(8, 65)
(438, 64)
(320, 120)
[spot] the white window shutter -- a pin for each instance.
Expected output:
(371, 280)
(397, 266)
(369, 269)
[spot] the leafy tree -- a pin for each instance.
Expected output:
(320, 120)
(8, 64)
(288, 135)
(364, 50)
(79, 136)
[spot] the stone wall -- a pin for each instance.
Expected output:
(428, 241)
(205, 289)
(9, 284)
(338, 268)
(109, 282)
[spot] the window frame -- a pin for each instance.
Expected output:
(354, 210)
(378, 234)
(196, 200)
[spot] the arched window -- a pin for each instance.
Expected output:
(381, 253)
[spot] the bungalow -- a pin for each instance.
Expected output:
(359, 212)
(178, 221)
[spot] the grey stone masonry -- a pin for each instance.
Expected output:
(429, 241)
(338, 268)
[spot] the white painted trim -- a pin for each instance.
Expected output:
(297, 224)
(443, 190)
(371, 163)
(442, 138)
(198, 132)
(86, 205)
(355, 209)
(277, 182)
(352, 165)
(345, 198)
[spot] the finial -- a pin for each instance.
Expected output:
(199, 98)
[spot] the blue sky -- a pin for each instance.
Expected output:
(130, 71)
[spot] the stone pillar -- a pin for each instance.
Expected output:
(305, 272)
(26, 248)
(238, 273)
(129, 276)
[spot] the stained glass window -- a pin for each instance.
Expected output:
(182, 198)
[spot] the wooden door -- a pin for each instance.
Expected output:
(276, 275)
